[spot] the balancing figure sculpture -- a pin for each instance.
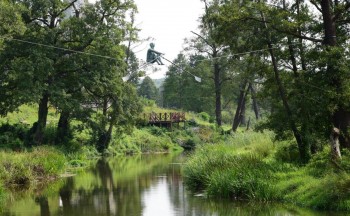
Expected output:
(154, 56)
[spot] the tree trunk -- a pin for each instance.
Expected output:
(304, 152)
(217, 93)
(241, 100)
(243, 120)
(105, 106)
(44, 205)
(63, 132)
(248, 124)
(341, 116)
(40, 125)
(105, 136)
(255, 102)
(335, 149)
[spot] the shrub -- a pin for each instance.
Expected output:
(13, 136)
(204, 116)
(146, 140)
(287, 152)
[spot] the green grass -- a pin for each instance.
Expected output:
(144, 140)
(23, 168)
(28, 114)
(3, 197)
(245, 166)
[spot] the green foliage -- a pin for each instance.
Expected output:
(205, 116)
(71, 82)
(148, 89)
(24, 168)
(13, 136)
(181, 91)
(228, 155)
(145, 140)
(2, 197)
(244, 167)
(47, 161)
(148, 102)
(10, 21)
(287, 152)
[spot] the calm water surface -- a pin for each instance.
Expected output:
(147, 185)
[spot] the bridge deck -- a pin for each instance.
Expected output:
(164, 119)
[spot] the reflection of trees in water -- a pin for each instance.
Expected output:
(107, 198)
(116, 188)
(44, 205)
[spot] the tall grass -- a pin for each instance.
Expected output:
(2, 198)
(145, 140)
(22, 168)
(245, 167)
(232, 169)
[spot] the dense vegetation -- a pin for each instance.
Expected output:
(70, 79)
(71, 59)
(250, 166)
(286, 59)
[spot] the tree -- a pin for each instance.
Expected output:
(10, 21)
(148, 89)
(182, 91)
(68, 60)
(297, 72)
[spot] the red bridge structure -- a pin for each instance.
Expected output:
(165, 119)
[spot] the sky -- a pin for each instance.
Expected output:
(168, 22)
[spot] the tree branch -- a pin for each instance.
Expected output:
(204, 39)
(315, 4)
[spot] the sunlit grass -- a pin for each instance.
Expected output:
(23, 168)
(28, 114)
(244, 167)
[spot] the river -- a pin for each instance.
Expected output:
(147, 185)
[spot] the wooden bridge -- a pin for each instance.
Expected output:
(165, 119)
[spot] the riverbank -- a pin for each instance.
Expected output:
(250, 166)
(30, 166)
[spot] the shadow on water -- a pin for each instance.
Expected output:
(131, 186)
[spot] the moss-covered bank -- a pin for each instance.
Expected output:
(250, 166)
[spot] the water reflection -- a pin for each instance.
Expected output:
(148, 185)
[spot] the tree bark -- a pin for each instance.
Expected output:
(40, 125)
(217, 83)
(243, 120)
(341, 116)
(62, 133)
(304, 152)
(241, 100)
(335, 148)
(255, 102)
(105, 106)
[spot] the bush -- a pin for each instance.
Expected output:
(13, 136)
(204, 116)
(146, 140)
(287, 152)
(157, 131)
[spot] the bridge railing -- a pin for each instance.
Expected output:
(165, 117)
